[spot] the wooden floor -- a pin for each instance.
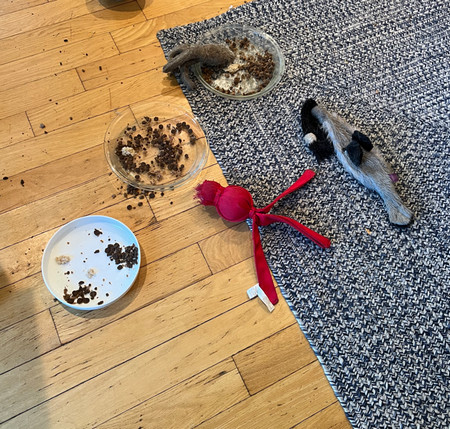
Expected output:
(184, 348)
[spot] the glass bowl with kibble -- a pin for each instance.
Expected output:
(155, 146)
(256, 70)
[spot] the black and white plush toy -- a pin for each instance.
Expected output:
(182, 57)
(327, 133)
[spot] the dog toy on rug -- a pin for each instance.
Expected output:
(182, 57)
(327, 133)
(235, 204)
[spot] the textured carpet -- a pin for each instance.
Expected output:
(375, 306)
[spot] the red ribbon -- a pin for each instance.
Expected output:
(235, 204)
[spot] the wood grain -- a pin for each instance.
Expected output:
(273, 359)
(331, 417)
(27, 339)
(23, 299)
(40, 92)
(189, 402)
(44, 64)
(44, 14)
(144, 33)
(227, 247)
(100, 100)
(9, 6)
(109, 356)
(281, 405)
(52, 37)
(14, 129)
(116, 68)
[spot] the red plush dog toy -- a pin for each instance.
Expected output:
(235, 204)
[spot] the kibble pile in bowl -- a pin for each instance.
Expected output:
(256, 69)
(155, 146)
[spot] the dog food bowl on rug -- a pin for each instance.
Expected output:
(155, 146)
(91, 262)
(257, 69)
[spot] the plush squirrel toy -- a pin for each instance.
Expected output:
(327, 133)
(182, 57)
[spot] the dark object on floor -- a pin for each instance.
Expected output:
(182, 57)
(358, 156)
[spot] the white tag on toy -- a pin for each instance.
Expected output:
(256, 291)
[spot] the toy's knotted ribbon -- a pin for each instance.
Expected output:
(235, 204)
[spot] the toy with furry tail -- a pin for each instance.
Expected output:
(182, 57)
(356, 153)
(235, 204)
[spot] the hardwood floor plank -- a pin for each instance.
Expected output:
(14, 129)
(42, 65)
(40, 92)
(23, 299)
(45, 14)
(274, 358)
(332, 417)
(232, 244)
(182, 230)
(52, 178)
(9, 6)
(139, 334)
(188, 403)
(151, 286)
(22, 259)
(26, 340)
(100, 100)
(301, 394)
(44, 39)
(155, 8)
(108, 70)
(46, 148)
(91, 197)
(142, 34)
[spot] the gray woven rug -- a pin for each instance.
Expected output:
(375, 306)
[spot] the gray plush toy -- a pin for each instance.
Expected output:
(326, 133)
(182, 57)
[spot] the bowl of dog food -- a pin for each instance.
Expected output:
(257, 68)
(155, 146)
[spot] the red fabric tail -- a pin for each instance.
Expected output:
(262, 269)
(304, 178)
(320, 240)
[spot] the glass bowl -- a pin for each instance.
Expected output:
(261, 47)
(155, 146)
